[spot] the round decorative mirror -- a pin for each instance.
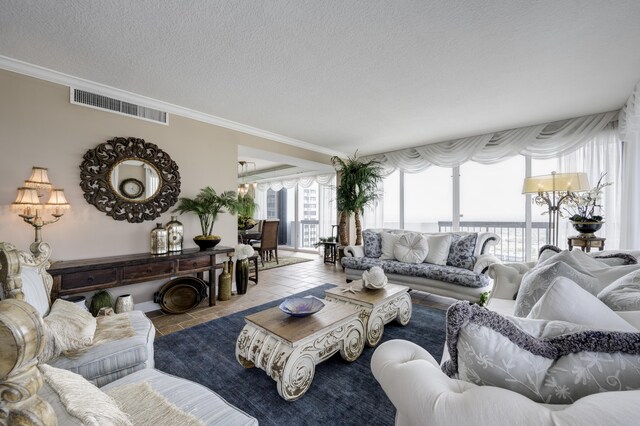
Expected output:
(130, 179)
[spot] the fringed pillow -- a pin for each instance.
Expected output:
(552, 362)
(68, 327)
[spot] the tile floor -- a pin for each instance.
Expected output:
(273, 284)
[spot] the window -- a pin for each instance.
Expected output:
(428, 199)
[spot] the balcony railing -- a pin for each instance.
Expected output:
(512, 246)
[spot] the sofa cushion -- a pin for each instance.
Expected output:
(388, 245)
(439, 246)
(448, 274)
(623, 294)
(34, 289)
(372, 243)
(547, 361)
(536, 281)
(564, 300)
(411, 248)
(461, 250)
(109, 361)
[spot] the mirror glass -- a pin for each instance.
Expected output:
(135, 180)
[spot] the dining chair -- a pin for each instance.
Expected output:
(268, 243)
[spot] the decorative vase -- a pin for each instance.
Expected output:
(159, 240)
(587, 229)
(206, 244)
(175, 234)
(242, 275)
(224, 282)
(124, 303)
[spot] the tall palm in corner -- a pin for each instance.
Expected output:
(358, 188)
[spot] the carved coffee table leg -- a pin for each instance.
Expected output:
(353, 340)
(405, 308)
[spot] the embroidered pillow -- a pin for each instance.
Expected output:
(461, 250)
(551, 362)
(372, 242)
(623, 294)
(565, 300)
(438, 249)
(617, 259)
(411, 248)
(537, 280)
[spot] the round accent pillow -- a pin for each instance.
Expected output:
(411, 248)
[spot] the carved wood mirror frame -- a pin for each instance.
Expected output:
(95, 179)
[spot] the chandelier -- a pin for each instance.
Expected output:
(243, 186)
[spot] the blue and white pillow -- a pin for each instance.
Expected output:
(461, 250)
(372, 243)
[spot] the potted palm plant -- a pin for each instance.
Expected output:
(358, 188)
(207, 205)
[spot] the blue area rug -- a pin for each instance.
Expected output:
(342, 393)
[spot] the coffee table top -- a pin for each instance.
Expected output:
(293, 329)
(366, 295)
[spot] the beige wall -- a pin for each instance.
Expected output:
(40, 127)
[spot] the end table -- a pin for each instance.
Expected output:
(586, 243)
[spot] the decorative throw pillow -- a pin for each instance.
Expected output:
(623, 294)
(578, 260)
(438, 249)
(565, 300)
(411, 248)
(372, 243)
(547, 251)
(82, 399)
(551, 362)
(68, 327)
(389, 241)
(536, 281)
(461, 250)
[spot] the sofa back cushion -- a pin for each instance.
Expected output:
(461, 250)
(34, 289)
(623, 294)
(388, 245)
(411, 248)
(372, 243)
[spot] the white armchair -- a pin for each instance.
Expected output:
(424, 395)
(23, 276)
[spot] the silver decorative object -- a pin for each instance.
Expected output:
(175, 234)
(124, 303)
(159, 240)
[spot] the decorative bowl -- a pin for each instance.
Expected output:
(301, 306)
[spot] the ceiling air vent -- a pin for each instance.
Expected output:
(94, 100)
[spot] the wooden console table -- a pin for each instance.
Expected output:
(80, 276)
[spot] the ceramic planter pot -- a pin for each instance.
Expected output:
(206, 244)
(587, 229)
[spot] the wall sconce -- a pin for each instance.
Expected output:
(28, 203)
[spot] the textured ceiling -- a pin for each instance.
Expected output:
(371, 75)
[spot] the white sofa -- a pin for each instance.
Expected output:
(423, 394)
(441, 279)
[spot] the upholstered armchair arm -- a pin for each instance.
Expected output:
(423, 394)
(485, 241)
(354, 251)
(483, 261)
(507, 278)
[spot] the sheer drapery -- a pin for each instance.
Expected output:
(541, 141)
(304, 181)
(629, 128)
(603, 154)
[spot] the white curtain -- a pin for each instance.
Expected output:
(541, 141)
(603, 154)
(304, 181)
(629, 127)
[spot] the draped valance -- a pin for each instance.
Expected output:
(304, 181)
(541, 141)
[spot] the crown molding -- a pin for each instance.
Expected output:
(57, 77)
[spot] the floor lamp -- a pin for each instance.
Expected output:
(552, 190)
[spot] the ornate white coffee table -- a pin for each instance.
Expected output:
(377, 307)
(289, 348)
